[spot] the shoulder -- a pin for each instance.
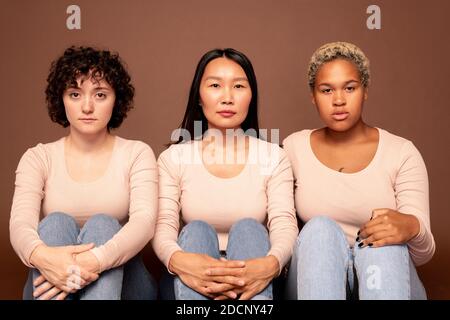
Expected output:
(399, 149)
(296, 138)
(179, 154)
(397, 145)
(43, 152)
(132, 146)
(267, 154)
(134, 150)
(39, 159)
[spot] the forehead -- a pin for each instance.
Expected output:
(88, 80)
(223, 67)
(339, 69)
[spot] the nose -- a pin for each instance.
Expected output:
(88, 105)
(338, 98)
(227, 98)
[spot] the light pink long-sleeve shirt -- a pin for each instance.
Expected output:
(263, 191)
(128, 191)
(396, 178)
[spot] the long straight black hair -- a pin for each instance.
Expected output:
(194, 111)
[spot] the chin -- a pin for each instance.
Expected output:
(341, 126)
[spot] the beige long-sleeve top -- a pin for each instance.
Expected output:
(128, 191)
(396, 178)
(263, 190)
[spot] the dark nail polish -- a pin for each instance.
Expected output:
(361, 244)
(371, 218)
(358, 232)
(357, 239)
(370, 244)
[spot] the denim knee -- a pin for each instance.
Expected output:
(199, 228)
(322, 232)
(199, 237)
(389, 252)
(246, 224)
(56, 227)
(99, 229)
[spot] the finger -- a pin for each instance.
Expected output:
(385, 242)
(39, 280)
(81, 247)
(50, 294)
(227, 295)
(88, 276)
(74, 281)
(76, 270)
(68, 290)
(375, 237)
(228, 264)
(371, 223)
(202, 288)
(378, 212)
(218, 271)
(248, 294)
(234, 281)
(42, 288)
(367, 232)
(62, 296)
(215, 288)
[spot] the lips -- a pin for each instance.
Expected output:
(340, 116)
(88, 120)
(227, 113)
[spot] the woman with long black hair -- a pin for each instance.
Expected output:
(231, 190)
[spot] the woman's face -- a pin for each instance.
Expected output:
(89, 105)
(339, 95)
(225, 94)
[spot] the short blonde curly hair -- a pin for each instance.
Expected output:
(339, 50)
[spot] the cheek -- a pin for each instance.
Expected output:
(70, 107)
(243, 101)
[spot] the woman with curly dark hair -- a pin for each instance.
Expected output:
(85, 205)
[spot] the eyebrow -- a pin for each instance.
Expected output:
(219, 78)
(96, 88)
(329, 85)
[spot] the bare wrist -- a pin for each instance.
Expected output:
(172, 265)
(36, 254)
(274, 265)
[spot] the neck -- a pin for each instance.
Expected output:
(88, 143)
(355, 133)
(223, 136)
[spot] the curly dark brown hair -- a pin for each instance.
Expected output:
(87, 61)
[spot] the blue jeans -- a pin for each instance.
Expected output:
(130, 281)
(247, 239)
(324, 266)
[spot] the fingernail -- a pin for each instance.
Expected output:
(241, 282)
(358, 232)
(361, 244)
(370, 244)
(357, 239)
(371, 218)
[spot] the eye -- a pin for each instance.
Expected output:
(214, 85)
(74, 95)
(101, 95)
(239, 86)
(350, 89)
(328, 90)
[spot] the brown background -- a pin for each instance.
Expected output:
(162, 41)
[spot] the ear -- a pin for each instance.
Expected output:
(366, 93)
(313, 99)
